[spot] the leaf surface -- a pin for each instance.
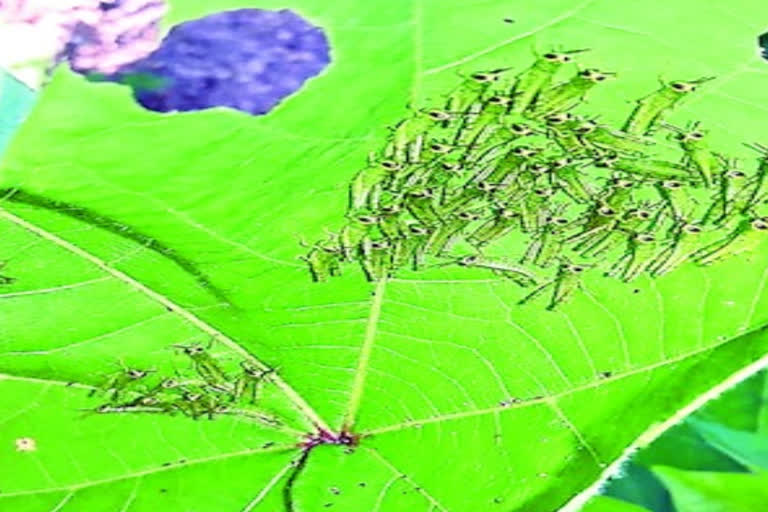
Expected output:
(703, 491)
(213, 204)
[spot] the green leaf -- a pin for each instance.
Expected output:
(748, 448)
(606, 504)
(702, 491)
(212, 205)
(637, 484)
(739, 408)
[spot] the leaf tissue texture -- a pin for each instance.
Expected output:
(392, 396)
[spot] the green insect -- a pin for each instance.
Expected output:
(686, 240)
(390, 220)
(734, 188)
(651, 109)
(693, 141)
(509, 165)
(747, 235)
(600, 219)
(6, 279)
(206, 365)
(121, 381)
(566, 282)
(251, 379)
(656, 169)
(675, 196)
(548, 242)
(603, 138)
(410, 134)
(375, 259)
(641, 249)
(630, 221)
(472, 89)
(519, 275)
(408, 250)
(365, 182)
(359, 225)
(500, 141)
(502, 222)
(567, 95)
(473, 195)
(324, 260)
(531, 205)
(446, 233)
(538, 77)
(421, 204)
(561, 127)
(564, 174)
(481, 127)
(618, 192)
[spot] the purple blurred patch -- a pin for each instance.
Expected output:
(247, 59)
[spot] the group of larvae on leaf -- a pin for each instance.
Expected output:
(505, 154)
(208, 391)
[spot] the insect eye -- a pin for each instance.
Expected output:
(418, 230)
(560, 221)
(389, 210)
(576, 268)
(467, 260)
(565, 59)
(440, 148)
(498, 100)
(696, 135)
(551, 56)
(760, 224)
(368, 219)
(735, 174)
(645, 238)
(389, 164)
(643, 214)
(169, 383)
(598, 77)
(136, 374)
(692, 229)
(558, 118)
(483, 77)
(382, 244)
(671, 184)
(439, 115)
(448, 166)
(520, 128)
(683, 87)
(542, 192)
(606, 211)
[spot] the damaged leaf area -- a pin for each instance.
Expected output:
(162, 343)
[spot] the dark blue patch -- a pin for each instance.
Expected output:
(247, 59)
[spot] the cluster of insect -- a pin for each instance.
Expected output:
(208, 391)
(505, 157)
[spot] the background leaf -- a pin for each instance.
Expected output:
(418, 366)
(701, 491)
(606, 504)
